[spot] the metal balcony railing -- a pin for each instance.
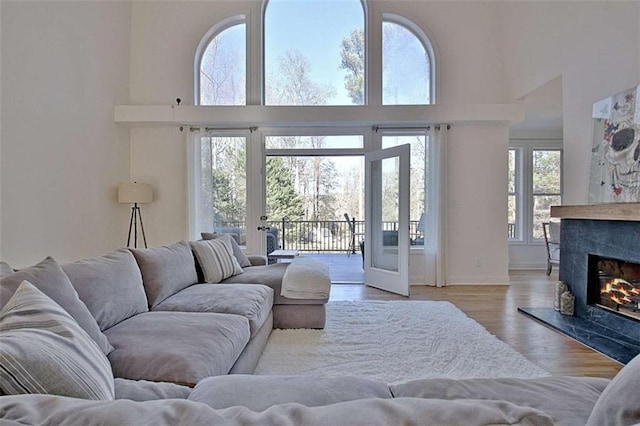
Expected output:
(323, 236)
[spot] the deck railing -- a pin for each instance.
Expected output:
(322, 236)
(331, 235)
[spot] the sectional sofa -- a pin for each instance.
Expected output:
(137, 337)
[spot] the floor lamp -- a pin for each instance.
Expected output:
(135, 193)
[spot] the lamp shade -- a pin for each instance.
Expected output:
(134, 192)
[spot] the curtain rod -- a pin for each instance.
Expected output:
(212, 129)
(437, 127)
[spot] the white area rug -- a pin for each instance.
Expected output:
(394, 341)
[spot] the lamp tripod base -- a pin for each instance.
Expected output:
(133, 226)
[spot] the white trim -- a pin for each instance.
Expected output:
(316, 116)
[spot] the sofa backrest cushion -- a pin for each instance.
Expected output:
(48, 277)
(619, 403)
(110, 286)
(242, 258)
(44, 350)
(166, 270)
(216, 259)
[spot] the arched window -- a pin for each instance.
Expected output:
(221, 69)
(407, 63)
(314, 52)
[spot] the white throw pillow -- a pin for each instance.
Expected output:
(216, 259)
(45, 351)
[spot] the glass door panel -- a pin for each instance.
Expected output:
(387, 189)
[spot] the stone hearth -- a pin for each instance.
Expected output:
(606, 331)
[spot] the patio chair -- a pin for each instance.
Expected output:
(552, 242)
(352, 237)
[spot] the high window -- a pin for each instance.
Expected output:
(534, 185)
(314, 52)
(222, 70)
(406, 64)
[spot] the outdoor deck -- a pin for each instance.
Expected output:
(344, 269)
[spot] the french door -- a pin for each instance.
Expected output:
(386, 256)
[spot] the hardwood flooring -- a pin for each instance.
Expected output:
(495, 307)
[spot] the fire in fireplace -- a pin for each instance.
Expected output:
(615, 285)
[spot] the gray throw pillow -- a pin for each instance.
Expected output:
(619, 403)
(238, 253)
(5, 269)
(216, 259)
(110, 286)
(49, 278)
(166, 270)
(45, 351)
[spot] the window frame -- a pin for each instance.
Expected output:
(524, 182)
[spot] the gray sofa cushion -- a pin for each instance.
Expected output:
(166, 270)
(44, 350)
(177, 347)
(48, 277)
(568, 400)
(261, 392)
(270, 275)
(143, 390)
(252, 301)
(37, 409)
(110, 286)
(619, 404)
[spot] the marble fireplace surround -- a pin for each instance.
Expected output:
(608, 230)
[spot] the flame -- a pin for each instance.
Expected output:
(620, 291)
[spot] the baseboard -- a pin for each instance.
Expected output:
(528, 265)
(478, 280)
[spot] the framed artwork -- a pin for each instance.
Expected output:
(615, 150)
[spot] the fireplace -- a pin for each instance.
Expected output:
(614, 284)
(599, 259)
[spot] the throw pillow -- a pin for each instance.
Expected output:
(238, 253)
(45, 351)
(619, 403)
(49, 278)
(216, 259)
(166, 270)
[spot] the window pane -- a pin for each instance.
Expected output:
(512, 172)
(541, 211)
(224, 186)
(417, 177)
(223, 69)
(314, 52)
(512, 213)
(546, 172)
(307, 142)
(405, 67)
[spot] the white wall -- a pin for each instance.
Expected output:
(592, 45)
(64, 66)
(164, 39)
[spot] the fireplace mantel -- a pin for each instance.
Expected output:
(611, 211)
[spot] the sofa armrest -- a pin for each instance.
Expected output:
(257, 259)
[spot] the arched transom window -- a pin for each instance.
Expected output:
(315, 53)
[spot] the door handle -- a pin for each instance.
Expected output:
(263, 228)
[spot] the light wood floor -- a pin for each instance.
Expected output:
(495, 307)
